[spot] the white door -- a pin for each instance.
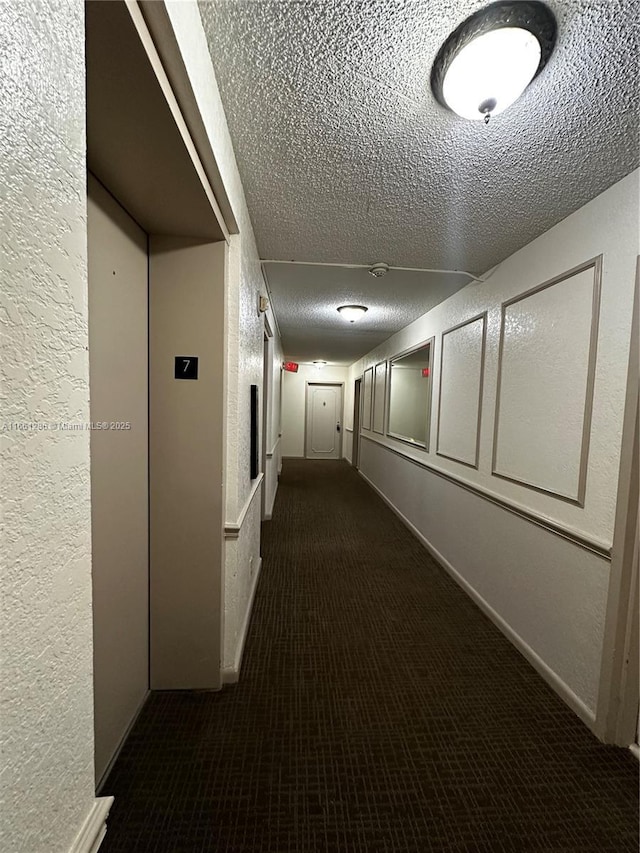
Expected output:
(324, 427)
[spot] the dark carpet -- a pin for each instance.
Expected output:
(378, 710)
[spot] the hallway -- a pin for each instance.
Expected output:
(378, 710)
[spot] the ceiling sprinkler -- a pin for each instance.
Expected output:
(378, 270)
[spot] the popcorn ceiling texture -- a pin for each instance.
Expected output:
(306, 299)
(346, 156)
(46, 689)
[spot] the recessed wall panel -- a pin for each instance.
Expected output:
(462, 367)
(367, 397)
(379, 396)
(547, 360)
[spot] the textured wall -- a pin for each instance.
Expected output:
(559, 613)
(243, 557)
(46, 686)
(244, 285)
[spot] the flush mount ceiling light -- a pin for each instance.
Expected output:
(351, 313)
(320, 364)
(490, 59)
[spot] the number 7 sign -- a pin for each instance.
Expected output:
(186, 367)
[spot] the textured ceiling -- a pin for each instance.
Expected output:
(306, 299)
(346, 156)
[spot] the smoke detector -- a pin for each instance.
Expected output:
(378, 270)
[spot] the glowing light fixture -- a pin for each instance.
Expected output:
(351, 313)
(320, 364)
(490, 59)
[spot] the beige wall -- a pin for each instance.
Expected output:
(186, 318)
(119, 468)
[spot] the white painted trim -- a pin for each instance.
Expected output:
(231, 674)
(274, 448)
(94, 829)
(163, 81)
(232, 528)
(552, 678)
(348, 429)
(596, 546)
(635, 750)
(164, 39)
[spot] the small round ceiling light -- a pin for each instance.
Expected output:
(490, 59)
(320, 364)
(378, 270)
(351, 313)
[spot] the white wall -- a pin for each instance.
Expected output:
(245, 330)
(548, 593)
(294, 387)
(46, 689)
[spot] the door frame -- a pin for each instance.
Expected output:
(149, 43)
(267, 366)
(309, 383)
(355, 441)
(618, 695)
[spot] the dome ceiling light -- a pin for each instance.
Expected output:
(351, 313)
(490, 59)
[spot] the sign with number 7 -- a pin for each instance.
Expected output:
(186, 367)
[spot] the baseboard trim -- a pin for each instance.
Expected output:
(126, 734)
(550, 676)
(231, 674)
(94, 829)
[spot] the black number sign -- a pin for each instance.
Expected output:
(186, 367)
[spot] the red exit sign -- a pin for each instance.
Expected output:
(291, 366)
(426, 372)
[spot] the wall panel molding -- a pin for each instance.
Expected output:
(602, 549)
(379, 397)
(367, 398)
(547, 356)
(447, 406)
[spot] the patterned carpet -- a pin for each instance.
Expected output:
(378, 710)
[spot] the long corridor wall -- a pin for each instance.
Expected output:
(522, 515)
(244, 328)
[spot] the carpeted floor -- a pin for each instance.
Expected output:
(378, 710)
